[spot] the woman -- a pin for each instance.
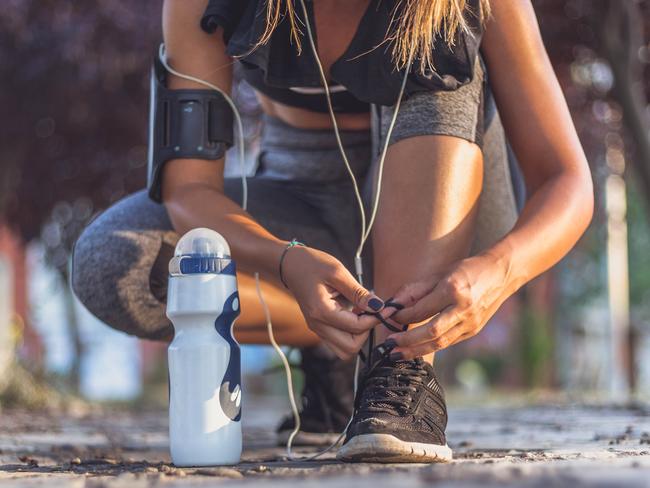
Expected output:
(445, 244)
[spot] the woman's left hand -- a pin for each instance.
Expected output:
(454, 306)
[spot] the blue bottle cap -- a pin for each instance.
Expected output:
(201, 251)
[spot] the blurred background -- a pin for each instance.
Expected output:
(73, 141)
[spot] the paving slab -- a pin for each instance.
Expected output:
(535, 445)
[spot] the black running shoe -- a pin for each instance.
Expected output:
(327, 400)
(400, 414)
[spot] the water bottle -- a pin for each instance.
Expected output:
(204, 358)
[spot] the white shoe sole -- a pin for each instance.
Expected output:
(386, 448)
(307, 438)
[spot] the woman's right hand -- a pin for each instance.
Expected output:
(327, 294)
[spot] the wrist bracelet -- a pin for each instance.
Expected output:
(293, 243)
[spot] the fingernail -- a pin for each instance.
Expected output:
(396, 356)
(376, 304)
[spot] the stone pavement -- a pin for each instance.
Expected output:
(493, 446)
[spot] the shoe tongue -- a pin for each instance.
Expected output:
(380, 353)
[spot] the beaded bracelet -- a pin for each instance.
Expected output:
(293, 243)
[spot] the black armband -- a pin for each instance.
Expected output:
(184, 124)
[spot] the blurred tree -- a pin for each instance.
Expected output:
(74, 105)
(601, 54)
(620, 26)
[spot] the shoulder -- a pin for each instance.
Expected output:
(226, 14)
(512, 20)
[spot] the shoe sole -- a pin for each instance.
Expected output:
(386, 448)
(307, 438)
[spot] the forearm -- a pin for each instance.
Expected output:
(252, 246)
(552, 221)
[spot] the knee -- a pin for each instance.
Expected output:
(111, 276)
(88, 265)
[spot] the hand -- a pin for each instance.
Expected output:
(324, 289)
(455, 305)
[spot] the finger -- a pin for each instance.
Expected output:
(424, 307)
(427, 332)
(347, 321)
(450, 338)
(343, 282)
(342, 302)
(391, 307)
(391, 325)
(396, 326)
(464, 337)
(344, 342)
(336, 349)
(408, 295)
(340, 353)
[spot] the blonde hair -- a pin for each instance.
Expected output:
(413, 28)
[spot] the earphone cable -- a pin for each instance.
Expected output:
(365, 229)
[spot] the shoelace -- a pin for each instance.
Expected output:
(388, 304)
(389, 386)
(385, 349)
(398, 395)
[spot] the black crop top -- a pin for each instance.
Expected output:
(368, 75)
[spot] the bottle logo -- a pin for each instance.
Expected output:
(230, 391)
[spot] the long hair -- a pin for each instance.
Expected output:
(414, 26)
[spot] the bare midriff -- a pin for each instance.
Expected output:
(306, 119)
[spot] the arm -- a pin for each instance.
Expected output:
(560, 206)
(192, 189)
(193, 193)
(539, 127)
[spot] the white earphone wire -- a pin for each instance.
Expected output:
(365, 230)
(162, 55)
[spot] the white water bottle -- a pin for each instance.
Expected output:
(204, 358)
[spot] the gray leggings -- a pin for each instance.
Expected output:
(300, 189)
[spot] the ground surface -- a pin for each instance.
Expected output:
(493, 446)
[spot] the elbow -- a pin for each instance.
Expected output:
(589, 205)
(186, 200)
(583, 191)
(177, 193)
(587, 187)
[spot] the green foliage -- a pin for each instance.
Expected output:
(535, 345)
(28, 390)
(638, 246)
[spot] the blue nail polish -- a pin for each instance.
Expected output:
(390, 344)
(396, 356)
(376, 304)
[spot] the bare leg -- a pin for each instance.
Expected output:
(426, 212)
